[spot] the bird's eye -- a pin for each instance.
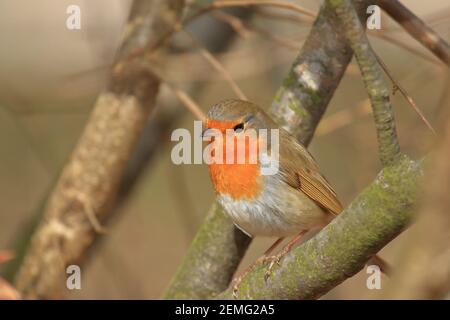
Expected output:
(239, 127)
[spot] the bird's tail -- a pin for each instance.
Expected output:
(381, 263)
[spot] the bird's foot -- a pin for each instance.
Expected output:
(277, 258)
(237, 281)
(274, 260)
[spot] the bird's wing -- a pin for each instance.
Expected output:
(300, 170)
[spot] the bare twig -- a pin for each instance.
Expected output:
(234, 22)
(382, 35)
(187, 101)
(239, 26)
(218, 67)
(217, 5)
(417, 29)
(284, 17)
(401, 44)
(282, 41)
(263, 3)
(405, 94)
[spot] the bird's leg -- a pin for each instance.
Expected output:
(262, 259)
(276, 259)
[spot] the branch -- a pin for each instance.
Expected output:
(417, 29)
(216, 65)
(90, 179)
(376, 216)
(372, 74)
(298, 109)
(315, 74)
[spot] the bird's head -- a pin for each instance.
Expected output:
(240, 121)
(237, 115)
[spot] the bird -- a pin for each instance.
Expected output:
(294, 200)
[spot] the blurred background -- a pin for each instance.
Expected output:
(49, 80)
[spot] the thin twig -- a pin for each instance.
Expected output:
(222, 4)
(284, 17)
(381, 35)
(187, 101)
(218, 67)
(234, 22)
(417, 29)
(405, 46)
(263, 3)
(173, 66)
(405, 94)
(240, 27)
(86, 202)
(283, 41)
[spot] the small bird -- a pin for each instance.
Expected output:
(291, 202)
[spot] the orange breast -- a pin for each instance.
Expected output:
(238, 180)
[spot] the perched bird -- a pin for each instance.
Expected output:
(291, 202)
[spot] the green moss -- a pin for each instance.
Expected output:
(313, 95)
(290, 80)
(295, 106)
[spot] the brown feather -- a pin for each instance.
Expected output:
(300, 170)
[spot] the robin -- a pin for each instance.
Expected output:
(291, 202)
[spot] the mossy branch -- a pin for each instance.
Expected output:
(314, 76)
(298, 107)
(374, 81)
(376, 216)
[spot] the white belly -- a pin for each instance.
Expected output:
(274, 214)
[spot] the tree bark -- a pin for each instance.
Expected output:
(89, 181)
